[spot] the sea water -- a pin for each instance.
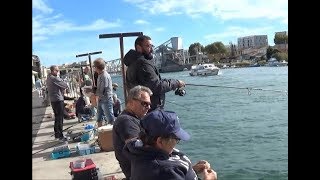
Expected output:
(242, 132)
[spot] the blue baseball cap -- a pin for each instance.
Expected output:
(160, 122)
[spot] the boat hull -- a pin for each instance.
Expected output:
(205, 73)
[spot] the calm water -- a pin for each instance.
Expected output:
(242, 136)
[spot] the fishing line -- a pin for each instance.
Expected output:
(249, 89)
(179, 105)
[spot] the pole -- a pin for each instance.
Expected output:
(90, 64)
(92, 77)
(123, 68)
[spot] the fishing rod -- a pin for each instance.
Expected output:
(64, 129)
(233, 87)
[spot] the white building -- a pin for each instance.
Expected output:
(256, 41)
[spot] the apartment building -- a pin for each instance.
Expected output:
(256, 41)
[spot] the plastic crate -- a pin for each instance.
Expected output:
(85, 149)
(87, 135)
(60, 152)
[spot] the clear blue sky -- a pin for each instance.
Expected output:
(61, 29)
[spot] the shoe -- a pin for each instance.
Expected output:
(63, 138)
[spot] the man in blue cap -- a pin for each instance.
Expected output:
(153, 155)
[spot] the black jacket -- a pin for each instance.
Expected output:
(148, 163)
(141, 71)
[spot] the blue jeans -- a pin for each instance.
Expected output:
(105, 108)
(93, 111)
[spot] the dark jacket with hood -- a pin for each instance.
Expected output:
(148, 163)
(141, 71)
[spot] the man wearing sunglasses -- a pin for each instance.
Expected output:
(142, 71)
(127, 125)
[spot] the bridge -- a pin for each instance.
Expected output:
(113, 67)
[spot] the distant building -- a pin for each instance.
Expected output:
(256, 41)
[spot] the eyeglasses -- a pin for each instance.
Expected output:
(175, 138)
(148, 46)
(144, 103)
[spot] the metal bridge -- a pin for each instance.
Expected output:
(113, 67)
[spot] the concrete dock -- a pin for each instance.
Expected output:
(43, 166)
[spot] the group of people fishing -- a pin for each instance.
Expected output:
(144, 133)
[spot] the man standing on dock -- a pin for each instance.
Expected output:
(56, 87)
(142, 71)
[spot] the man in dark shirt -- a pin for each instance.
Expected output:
(127, 125)
(142, 71)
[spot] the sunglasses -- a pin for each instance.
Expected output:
(176, 138)
(143, 103)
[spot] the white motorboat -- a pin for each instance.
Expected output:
(208, 69)
(273, 62)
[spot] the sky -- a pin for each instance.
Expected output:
(62, 29)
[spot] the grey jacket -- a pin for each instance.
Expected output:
(104, 86)
(56, 86)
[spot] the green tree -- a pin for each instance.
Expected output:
(221, 47)
(216, 47)
(211, 49)
(271, 52)
(280, 39)
(194, 48)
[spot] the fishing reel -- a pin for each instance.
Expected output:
(180, 92)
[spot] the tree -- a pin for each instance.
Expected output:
(216, 47)
(221, 48)
(280, 38)
(194, 48)
(211, 49)
(271, 52)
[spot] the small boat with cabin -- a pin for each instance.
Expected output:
(207, 69)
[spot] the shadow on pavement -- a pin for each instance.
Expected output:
(37, 110)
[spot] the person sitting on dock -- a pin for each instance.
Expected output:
(127, 125)
(142, 71)
(153, 155)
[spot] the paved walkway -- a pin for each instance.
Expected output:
(43, 167)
